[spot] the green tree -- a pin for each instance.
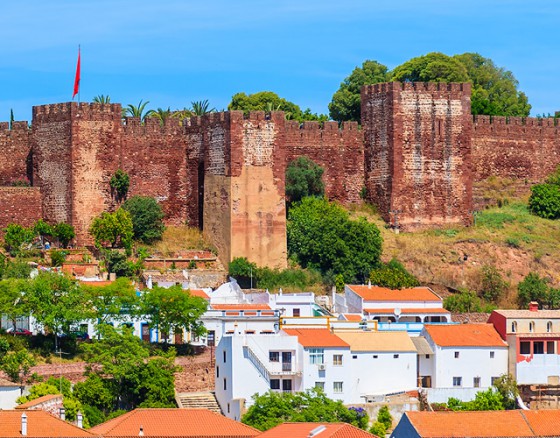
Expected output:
(201, 107)
(554, 177)
(17, 238)
(494, 89)
(101, 98)
(172, 309)
(147, 218)
(161, 115)
(464, 301)
(17, 364)
(116, 301)
(385, 417)
(322, 236)
(532, 288)
(272, 409)
(115, 229)
(56, 302)
(393, 275)
(553, 298)
(156, 382)
(43, 230)
(433, 67)
(346, 101)
(119, 183)
(138, 111)
(506, 386)
(378, 429)
(95, 392)
(38, 390)
(13, 303)
(489, 400)
(545, 200)
(304, 178)
(493, 284)
(64, 233)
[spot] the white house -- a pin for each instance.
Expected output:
(466, 359)
(533, 337)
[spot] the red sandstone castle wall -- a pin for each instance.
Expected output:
(20, 205)
(523, 149)
(338, 151)
(15, 153)
(425, 152)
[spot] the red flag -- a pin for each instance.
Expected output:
(77, 79)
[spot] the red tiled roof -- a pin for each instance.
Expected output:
(544, 422)
(415, 311)
(326, 430)
(352, 316)
(465, 335)
(376, 293)
(174, 423)
(316, 337)
(482, 424)
(199, 293)
(40, 424)
(240, 306)
(38, 401)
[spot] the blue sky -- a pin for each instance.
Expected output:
(173, 52)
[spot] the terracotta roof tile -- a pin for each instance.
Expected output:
(376, 293)
(199, 293)
(544, 422)
(39, 400)
(415, 311)
(481, 424)
(353, 316)
(377, 341)
(528, 314)
(173, 423)
(316, 338)
(326, 430)
(39, 424)
(465, 335)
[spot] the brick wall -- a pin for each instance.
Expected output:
(417, 139)
(15, 153)
(20, 205)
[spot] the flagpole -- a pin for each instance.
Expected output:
(80, 75)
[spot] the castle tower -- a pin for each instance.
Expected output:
(417, 140)
(244, 209)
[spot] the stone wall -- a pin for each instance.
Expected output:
(417, 141)
(21, 205)
(15, 153)
(339, 152)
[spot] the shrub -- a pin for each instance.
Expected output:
(16, 238)
(147, 218)
(120, 183)
(532, 288)
(385, 417)
(378, 429)
(545, 200)
(64, 233)
(493, 284)
(58, 257)
(303, 178)
(393, 275)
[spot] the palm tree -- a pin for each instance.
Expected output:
(137, 111)
(200, 107)
(161, 114)
(101, 98)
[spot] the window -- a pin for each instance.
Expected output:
(476, 382)
(274, 356)
(228, 408)
(538, 347)
(217, 371)
(295, 312)
(525, 347)
(457, 381)
(320, 385)
(427, 356)
(531, 327)
(514, 326)
(337, 360)
(286, 385)
(550, 347)
(494, 380)
(224, 357)
(492, 355)
(316, 355)
(456, 355)
(549, 327)
(395, 356)
(225, 384)
(274, 383)
(354, 356)
(337, 387)
(375, 356)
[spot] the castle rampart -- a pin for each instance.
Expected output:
(15, 153)
(21, 205)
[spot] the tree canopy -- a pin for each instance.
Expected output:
(271, 409)
(393, 275)
(322, 236)
(147, 218)
(545, 198)
(113, 228)
(303, 178)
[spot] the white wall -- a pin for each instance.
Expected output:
(442, 395)
(353, 301)
(538, 369)
(8, 396)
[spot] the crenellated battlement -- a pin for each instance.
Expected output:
(515, 121)
(84, 111)
(453, 87)
(17, 127)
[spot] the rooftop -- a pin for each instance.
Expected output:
(377, 341)
(310, 430)
(485, 424)
(530, 314)
(247, 306)
(405, 311)
(199, 293)
(39, 424)
(376, 293)
(174, 423)
(465, 335)
(38, 401)
(316, 337)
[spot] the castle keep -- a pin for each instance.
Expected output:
(418, 155)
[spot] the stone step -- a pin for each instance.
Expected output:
(198, 400)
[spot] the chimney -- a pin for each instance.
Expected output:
(316, 431)
(62, 414)
(80, 420)
(24, 424)
(369, 284)
(141, 432)
(533, 306)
